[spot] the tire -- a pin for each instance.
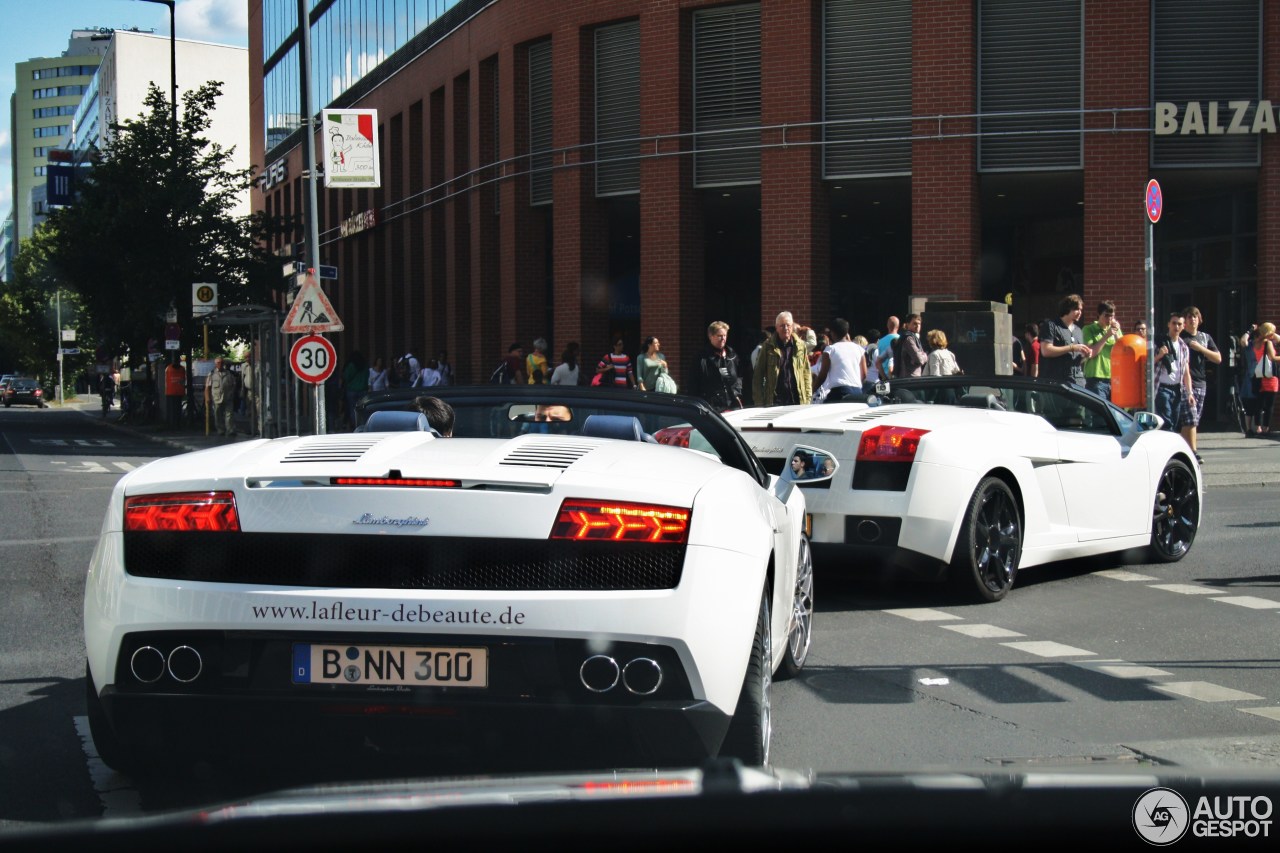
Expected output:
(113, 751)
(1175, 515)
(985, 562)
(751, 728)
(800, 627)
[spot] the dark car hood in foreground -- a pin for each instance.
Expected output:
(718, 805)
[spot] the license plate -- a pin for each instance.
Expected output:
(408, 666)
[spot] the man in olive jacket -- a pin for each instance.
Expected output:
(782, 376)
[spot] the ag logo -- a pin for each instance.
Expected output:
(1161, 816)
(204, 293)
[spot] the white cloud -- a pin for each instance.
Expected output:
(221, 21)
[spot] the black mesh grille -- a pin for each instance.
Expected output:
(402, 562)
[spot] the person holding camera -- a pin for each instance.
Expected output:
(1100, 336)
(1173, 373)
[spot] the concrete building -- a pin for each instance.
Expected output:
(133, 61)
(47, 92)
(585, 167)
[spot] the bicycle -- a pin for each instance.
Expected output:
(1236, 405)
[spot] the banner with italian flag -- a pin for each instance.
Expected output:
(350, 140)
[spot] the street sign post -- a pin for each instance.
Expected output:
(1153, 201)
(327, 273)
(204, 298)
(313, 359)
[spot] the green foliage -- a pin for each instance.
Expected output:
(152, 216)
(29, 337)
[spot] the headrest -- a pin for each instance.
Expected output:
(397, 422)
(621, 427)
(980, 401)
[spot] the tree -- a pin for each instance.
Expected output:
(29, 335)
(152, 216)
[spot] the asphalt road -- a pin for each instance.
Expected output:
(1104, 663)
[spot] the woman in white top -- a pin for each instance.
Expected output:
(378, 375)
(942, 362)
(842, 363)
(566, 372)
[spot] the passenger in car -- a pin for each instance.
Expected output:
(439, 414)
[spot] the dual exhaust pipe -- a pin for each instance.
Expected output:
(602, 673)
(148, 664)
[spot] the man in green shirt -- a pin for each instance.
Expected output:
(1100, 336)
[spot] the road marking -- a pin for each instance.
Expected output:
(1121, 669)
(114, 791)
(1205, 691)
(922, 614)
(983, 631)
(80, 442)
(125, 466)
(90, 467)
(1123, 575)
(1251, 601)
(1187, 588)
(1272, 713)
(1049, 649)
(49, 541)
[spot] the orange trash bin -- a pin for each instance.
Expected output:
(1129, 372)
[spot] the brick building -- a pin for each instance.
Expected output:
(587, 167)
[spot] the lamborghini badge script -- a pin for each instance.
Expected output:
(385, 521)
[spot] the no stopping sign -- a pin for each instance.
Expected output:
(313, 359)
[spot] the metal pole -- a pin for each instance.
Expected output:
(1151, 316)
(313, 223)
(58, 336)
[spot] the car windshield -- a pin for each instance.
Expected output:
(428, 423)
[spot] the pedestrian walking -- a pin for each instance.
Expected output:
(1203, 352)
(841, 365)
(567, 372)
(615, 368)
(1265, 375)
(782, 376)
(379, 375)
(1172, 373)
(536, 368)
(653, 367)
(716, 374)
(219, 397)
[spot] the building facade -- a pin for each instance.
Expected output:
(577, 169)
(46, 94)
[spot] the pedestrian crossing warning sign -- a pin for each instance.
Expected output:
(312, 313)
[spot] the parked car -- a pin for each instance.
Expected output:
(22, 390)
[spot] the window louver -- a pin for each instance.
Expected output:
(540, 127)
(617, 109)
(726, 96)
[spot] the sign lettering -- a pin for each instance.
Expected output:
(1214, 118)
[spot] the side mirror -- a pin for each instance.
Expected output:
(1148, 421)
(810, 465)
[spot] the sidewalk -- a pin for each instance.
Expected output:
(1230, 459)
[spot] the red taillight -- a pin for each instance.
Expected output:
(620, 522)
(890, 444)
(413, 482)
(37, 392)
(183, 511)
(676, 436)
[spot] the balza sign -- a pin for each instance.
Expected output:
(1214, 118)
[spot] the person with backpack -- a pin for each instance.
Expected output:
(615, 369)
(511, 369)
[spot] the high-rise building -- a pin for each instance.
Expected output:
(47, 92)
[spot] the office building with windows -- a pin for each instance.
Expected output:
(578, 169)
(46, 93)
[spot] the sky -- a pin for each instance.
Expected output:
(43, 28)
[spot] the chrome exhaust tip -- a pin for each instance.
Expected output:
(642, 676)
(599, 673)
(147, 664)
(185, 664)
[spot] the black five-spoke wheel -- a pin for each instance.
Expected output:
(990, 542)
(1176, 514)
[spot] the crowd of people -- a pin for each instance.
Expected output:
(795, 364)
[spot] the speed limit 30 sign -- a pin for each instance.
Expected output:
(313, 359)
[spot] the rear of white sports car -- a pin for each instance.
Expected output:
(350, 587)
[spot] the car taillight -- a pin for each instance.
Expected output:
(676, 436)
(889, 444)
(37, 392)
(593, 521)
(183, 511)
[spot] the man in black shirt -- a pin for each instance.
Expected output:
(716, 376)
(1062, 346)
(1203, 353)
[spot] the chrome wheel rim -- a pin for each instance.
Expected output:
(996, 540)
(1176, 513)
(800, 633)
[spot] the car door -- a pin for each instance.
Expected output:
(1104, 480)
